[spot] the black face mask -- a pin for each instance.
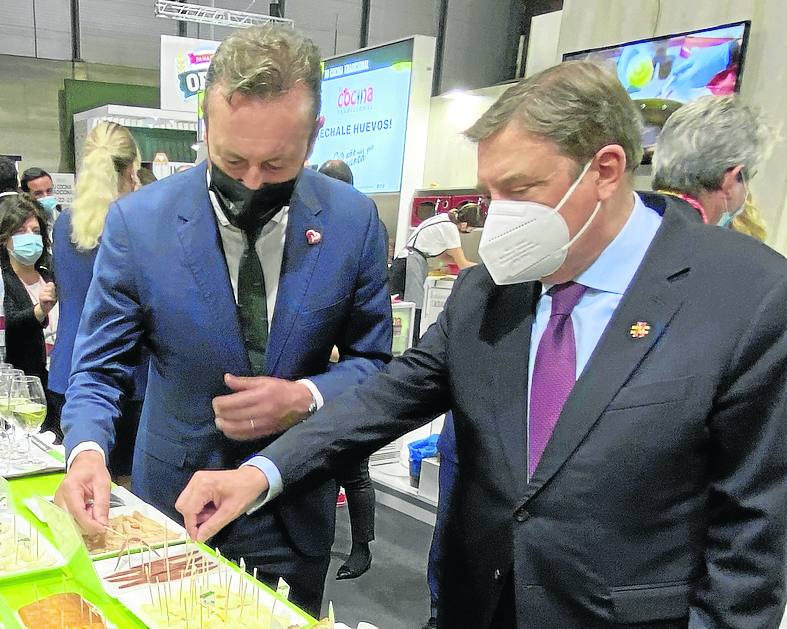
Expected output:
(249, 209)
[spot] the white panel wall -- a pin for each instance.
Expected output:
(334, 25)
(317, 18)
(591, 23)
(480, 43)
(52, 32)
(394, 19)
(542, 46)
(122, 33)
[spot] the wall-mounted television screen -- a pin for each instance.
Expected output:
(365, 100)
(663, 73)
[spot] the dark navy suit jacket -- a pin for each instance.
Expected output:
(663, 489)
(161, 280)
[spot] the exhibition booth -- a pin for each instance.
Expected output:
(407, 152)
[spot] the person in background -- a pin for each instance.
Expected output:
(30, 300)
(145, 176)
(616, 373)
(750, 221)
(355, 478)
(38, 183)
(446, 446)
(240, 275)
(110, 160)
(436, 237)
(337, 169)
(707, 154)
(9, 178)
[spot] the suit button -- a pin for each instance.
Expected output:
(520, 515)
(497, 574)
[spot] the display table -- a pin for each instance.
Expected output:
(79, 573)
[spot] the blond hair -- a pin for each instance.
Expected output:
(109, 150)
(265, 61)
(750, 221)
(577, 105)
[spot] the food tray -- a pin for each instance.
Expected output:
(28, 543)
(132, 504)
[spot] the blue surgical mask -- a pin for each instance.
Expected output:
(49, 203)
(27, 248)
(726, 218)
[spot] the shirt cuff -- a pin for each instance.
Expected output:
(275, 484)
(85, 446)
(314, 391)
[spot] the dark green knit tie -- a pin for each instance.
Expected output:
(252, 303)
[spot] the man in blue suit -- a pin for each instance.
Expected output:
(239, 276)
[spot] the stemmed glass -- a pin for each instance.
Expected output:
(7, 374)
(27, 403)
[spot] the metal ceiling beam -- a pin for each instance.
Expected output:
(214, 16)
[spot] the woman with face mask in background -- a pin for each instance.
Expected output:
(30, 301)
(110, 161)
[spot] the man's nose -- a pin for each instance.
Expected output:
(254, 178)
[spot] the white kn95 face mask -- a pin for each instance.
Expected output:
(523, 241)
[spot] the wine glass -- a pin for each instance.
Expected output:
(27, 403)
(7, 375)
(7, 433)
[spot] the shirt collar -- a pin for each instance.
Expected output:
(614, 269)
(222, 218)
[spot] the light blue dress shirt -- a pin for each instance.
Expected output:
(607, 279)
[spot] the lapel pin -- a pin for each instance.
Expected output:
(313, 236)
(639, 330)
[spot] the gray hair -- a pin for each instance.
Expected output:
(704, 139)
(577, 105)
(265, 61)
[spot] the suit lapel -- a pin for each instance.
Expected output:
(510, 314)
(297, 266)
(654, 297)
(203, 255)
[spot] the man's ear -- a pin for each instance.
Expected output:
(731, 179)
(611, 166)
(318, 125)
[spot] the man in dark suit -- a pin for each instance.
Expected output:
(240, 277)
(617, 375)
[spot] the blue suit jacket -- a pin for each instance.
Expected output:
(161, 279)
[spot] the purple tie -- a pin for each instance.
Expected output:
(555, 371)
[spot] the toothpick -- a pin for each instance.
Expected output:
(186, 614)
(227, 599)
(182, 579)
(257, 593)
(242, 591)
(218, 557)
(273, 608)
(149, 578)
